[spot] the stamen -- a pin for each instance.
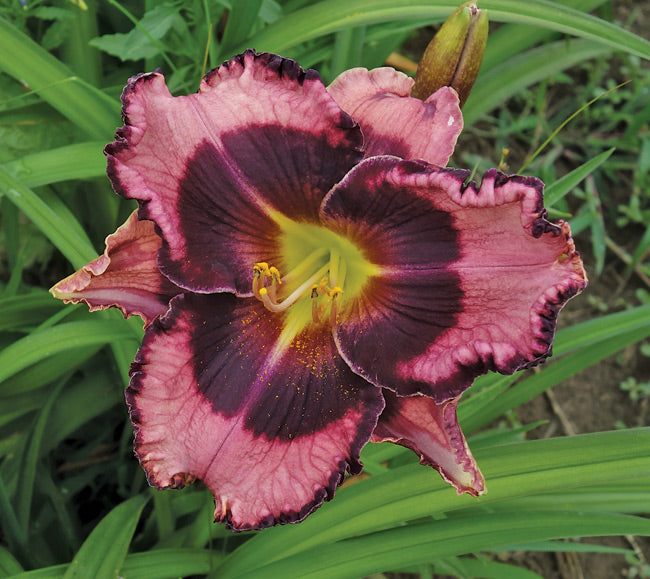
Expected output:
(261, 267)
(334, 309)
(260, 271)
(323, 288)
(268, 303)
(315, 314)
(334, 292)
(275, 275)
(275, 282)
(273, 305)
(326, 285)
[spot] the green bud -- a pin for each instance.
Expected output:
(454, 56)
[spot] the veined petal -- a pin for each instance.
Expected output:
(393, 122)
(433, 432)
(261, 135)
(270, 426)
(126, 276)
(517, 271)
(471, 279)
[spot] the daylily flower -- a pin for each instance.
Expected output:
(305, 289)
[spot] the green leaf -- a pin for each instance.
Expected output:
(28, 461)
(78, 161)
(8, 563)
(52, 217)
(154, 564)
(12, 532)
(103, 552)
(619, 500)
(601, 328)
(241, 19)
(53, 572)
(512, 39)
(411, 492)
(500, 83)
(78, 404)
(45, 343)
(562, 186)
(22, 385)
(136, 44)
(23, 311)
(87, 107)
(565, 547)
(170, 563)
(553, 374)
(323, 18)
(590, 342)
(456, 535)
(485, 569)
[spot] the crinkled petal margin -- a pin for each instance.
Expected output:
(270, 426)
(432, 431)
(470, 279)
(126, 276)
(261, 136)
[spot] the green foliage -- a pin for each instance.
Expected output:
(73, 500)
(636, 390)
(144, 40)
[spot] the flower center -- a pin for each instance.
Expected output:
(319, 275)
(324, 294)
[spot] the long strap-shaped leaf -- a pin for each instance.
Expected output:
(524, 70)
(326, 17)
(153, 564)
(78, 161)
(418, 544)
(52, 217)
(50, 341)
(410, 492)
(103, 552)
(86, 106)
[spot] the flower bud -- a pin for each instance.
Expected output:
(454, 56)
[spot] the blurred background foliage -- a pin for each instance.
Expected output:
(73, 500)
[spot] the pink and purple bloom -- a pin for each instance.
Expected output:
(312, 278)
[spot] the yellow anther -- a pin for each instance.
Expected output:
(260, 272)
(334, 292)
(268, 295)
(275, 275)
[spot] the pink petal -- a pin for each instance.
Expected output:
(433, 432)
(516, 272)
(469, 281)
(270, 426)
(126, 276)
(393, 122)
(261, 135)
